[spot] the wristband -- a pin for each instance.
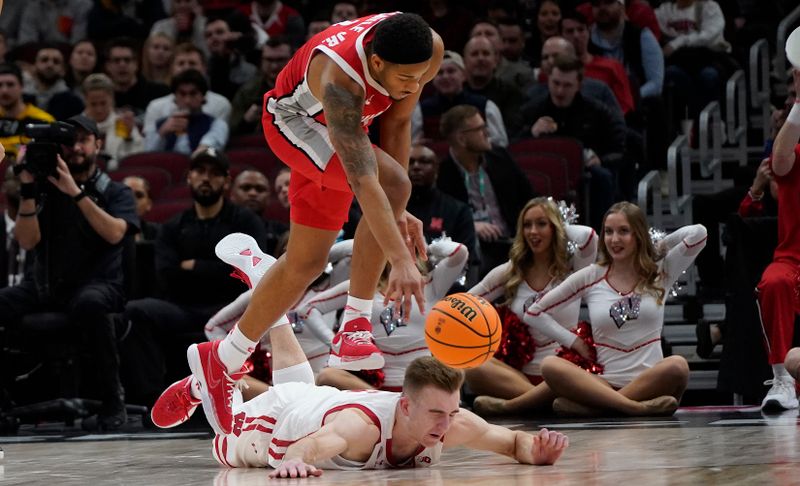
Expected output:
(27, 190)
(754, 197)
(794, 114)
(27, 215)
(79, 196)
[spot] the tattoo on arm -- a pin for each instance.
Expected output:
(343, 111)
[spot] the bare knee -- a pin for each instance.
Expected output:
(305, 267)
(676, 369)
(552, 367)
(792, 362)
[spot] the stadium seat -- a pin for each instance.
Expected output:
(164, 210)
(569, 148)
(175, 192)
(261, 159)
(176, 164)
(552, 167)
(254, 141)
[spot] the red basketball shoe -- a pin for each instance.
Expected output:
(353, 347)
(216, 385)
(175, 405)
(242, 252)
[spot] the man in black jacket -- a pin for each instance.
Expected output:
(441, 214)
(567, 113)
(195, 283)
(486, 178)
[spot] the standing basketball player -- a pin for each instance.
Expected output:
(315, 120)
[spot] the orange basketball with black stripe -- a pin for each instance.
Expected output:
(463, 330)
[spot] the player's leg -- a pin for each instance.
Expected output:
(792, 363)
(352, 347)
(576, 385)
(341, 379)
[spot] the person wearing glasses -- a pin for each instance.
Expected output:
(486, 178)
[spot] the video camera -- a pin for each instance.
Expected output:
(46, 144)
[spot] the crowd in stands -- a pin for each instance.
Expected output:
(167, 98)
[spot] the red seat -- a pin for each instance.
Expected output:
(552, 166)
(261, 159)
(164, 210)
(176, 164)
(255, 140)
(158, 178)
(539, 180)
(178, 191)
(570, 149)
(440, 148)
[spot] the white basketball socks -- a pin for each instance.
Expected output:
(357, 314)
(234, 350)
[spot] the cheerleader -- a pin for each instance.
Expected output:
(544, 252)
(625, 293)
(401, 339)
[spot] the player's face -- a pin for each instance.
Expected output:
(400, 80)
(618, 237)
(431, 413)
(537, 230)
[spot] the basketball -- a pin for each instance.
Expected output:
(463, 330)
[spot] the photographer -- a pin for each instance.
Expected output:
(74, 219)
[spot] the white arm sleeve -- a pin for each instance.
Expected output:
(586, 239)
(452, 257)
(683, 245)
(538, 314)
(223, 321)
(339, 250)
(493, 284)
(494, 123)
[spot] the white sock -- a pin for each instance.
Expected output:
(235, 349)
(354, 309)
(780, 373)
(194, 388)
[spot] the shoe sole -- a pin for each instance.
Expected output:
(188, 412)
(195, 364)
(233, 244)
(373, 362)
(776, 405)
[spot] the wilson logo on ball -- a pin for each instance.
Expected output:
(459, 305)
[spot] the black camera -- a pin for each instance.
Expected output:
(46, 144)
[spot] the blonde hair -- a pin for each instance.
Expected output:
(521, 256)
(429, 371)
(646, 255)
(148, 70)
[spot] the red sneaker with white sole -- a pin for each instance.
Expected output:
(353, 347)
(242, 252)
(175, 405)
(216, 384)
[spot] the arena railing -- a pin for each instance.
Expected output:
(760, 90)
(650, 185)
(788, 22)
(710, 146)
(736, 118)
(679, 193)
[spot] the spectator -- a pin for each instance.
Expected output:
(449, 84)
(47, 78)
(566, 113)
(185, 24)
(228, 69)
(518, 73)
(316, 26)
(251, 189)
(54, 21)
(123, 18)
(575, 29)
(14, 112)
(638, 12)
(495, 202)
(590, 88)
(448, 19)
(512, 35)
(343, 11)
(282, 186)
(157, 55)
(547, 15)
(121, 136)
(246, 105)
(277, 19)
(144, 203)
(195, 283)
(122, 66)
(82, 62)
(77, 237)
(695, 52)
(480, 61)
(187, 129)
(187, 56)
(12, 259)
(440, 213)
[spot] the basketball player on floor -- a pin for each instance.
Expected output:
(315, 120)
(299, 428)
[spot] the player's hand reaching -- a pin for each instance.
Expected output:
(405, 282)
(548, 445)
(411, 231)
(295, 468)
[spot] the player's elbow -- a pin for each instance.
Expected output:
(782, 163)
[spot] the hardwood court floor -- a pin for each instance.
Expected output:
(717, 446)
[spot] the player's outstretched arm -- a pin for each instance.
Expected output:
(541, 449)
(349, 433)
